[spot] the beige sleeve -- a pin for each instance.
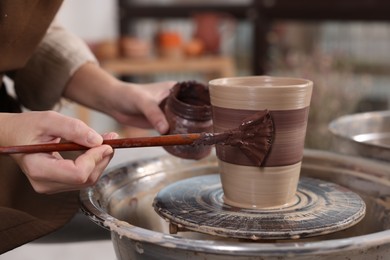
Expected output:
(40, 84)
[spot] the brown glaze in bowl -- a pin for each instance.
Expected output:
(188, 110)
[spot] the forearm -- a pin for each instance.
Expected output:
(93, 87)
(128, 103)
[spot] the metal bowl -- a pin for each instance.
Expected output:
(122, 202)
(364, 134)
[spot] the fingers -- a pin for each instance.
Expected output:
(138, 105)
(149, 104)
(50, 173)
(70, 129)
(156, 117)
(50, 187)
(46, 126)
(110, 135)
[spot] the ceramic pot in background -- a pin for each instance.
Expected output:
(213, 29)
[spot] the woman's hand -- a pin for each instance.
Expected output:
(50, 172)
(128, 103)
(138, 105)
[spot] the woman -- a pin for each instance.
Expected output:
(38, 192)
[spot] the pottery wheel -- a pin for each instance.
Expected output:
(319, 208)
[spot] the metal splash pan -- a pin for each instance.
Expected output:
(121, 201)
(364, 134)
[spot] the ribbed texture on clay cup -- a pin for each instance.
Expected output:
(273, 185)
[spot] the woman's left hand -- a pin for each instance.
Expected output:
(138, 105)
(128, 103)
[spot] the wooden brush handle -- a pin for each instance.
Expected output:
(165, 140)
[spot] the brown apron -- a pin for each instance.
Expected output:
(24, 214)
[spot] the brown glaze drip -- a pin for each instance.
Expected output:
(288, 141)
(253, 137)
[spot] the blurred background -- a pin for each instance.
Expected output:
(342, 46)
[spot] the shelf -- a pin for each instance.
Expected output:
(221, 66)
(261, 15)
(179, 11)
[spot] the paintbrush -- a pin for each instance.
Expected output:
(247, 137)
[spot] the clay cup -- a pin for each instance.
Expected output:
(274, 183)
